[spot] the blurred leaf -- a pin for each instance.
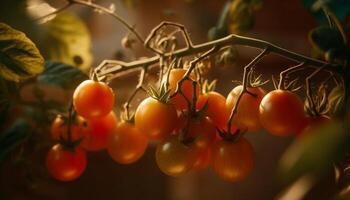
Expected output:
(325, 38)
(336, 100)
(61, 75)
(67, 40)
(315, 151)
(19, 57)
(340, 8)
(12, 137)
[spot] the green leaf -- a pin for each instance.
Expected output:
(12, 137)
(19, 57)
(61, 75)
(67, 40)
(325, 38)
(340, 8)
(315, 152)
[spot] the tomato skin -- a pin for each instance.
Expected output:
(312, 123)
(173, 157)
(202, 158)
(60, 129)
(217, 109)
(97, 132)
(65, 165)
(233, 161)
(247, 116)
(179, 100)
(155, 119)
(282, 113)
(127, 144)
(92, 99)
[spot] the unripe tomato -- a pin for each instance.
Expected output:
(127, 144)
(173, 157)
(179, 100)
(65, 165)
(155, 119)
(216, 110)
(282, 113)
(97, 131)
(247, 116)
(233, 161)
(93, 99)
(59, 128)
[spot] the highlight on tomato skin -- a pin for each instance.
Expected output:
(93, 99)
(247, 116)
(173, 157)
(65, 165)
(97, 131)
(233, 160)
(155, 119)
(179, 100)
(126, 144)
(282, 113)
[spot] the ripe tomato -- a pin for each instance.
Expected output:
(233, 161)
(179, 100)
(155, 119)
(247, 116)
(59, 128)
(313, 122)
(93, 99)
(282, 113)
(203, 132)
(216, 110)
(127, 144)
(173, 157)
(65, 165)
(97, 131)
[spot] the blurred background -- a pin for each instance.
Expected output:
(285, 23)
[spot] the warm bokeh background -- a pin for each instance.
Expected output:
(285, 23)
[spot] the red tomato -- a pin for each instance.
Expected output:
(313, 122)
(233, 161)
(93, 99)
(202, 159)
(59, 128)
(179, 100)
(217, 109)
(282, 113)
(65, 165)
(155, 119)
(127, 144)
(173, 157)
(97, 132)
(247, 116)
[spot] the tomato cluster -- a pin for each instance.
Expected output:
(190, 135)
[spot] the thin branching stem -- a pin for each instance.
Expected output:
(283, 74)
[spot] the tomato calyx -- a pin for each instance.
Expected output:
(231, 136)
(208, 86)
(162, 94)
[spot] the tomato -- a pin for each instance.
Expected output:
(203, 132)
(173, 157)
(127, 144)
(179, 100)
(202, 159)
(233, 161)
(97, 131)
(282, 113)
(65, 165)
(247, 116)
(217, 109)
(155, 118)
(93, 99)
(59, 128)
(313, 122)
